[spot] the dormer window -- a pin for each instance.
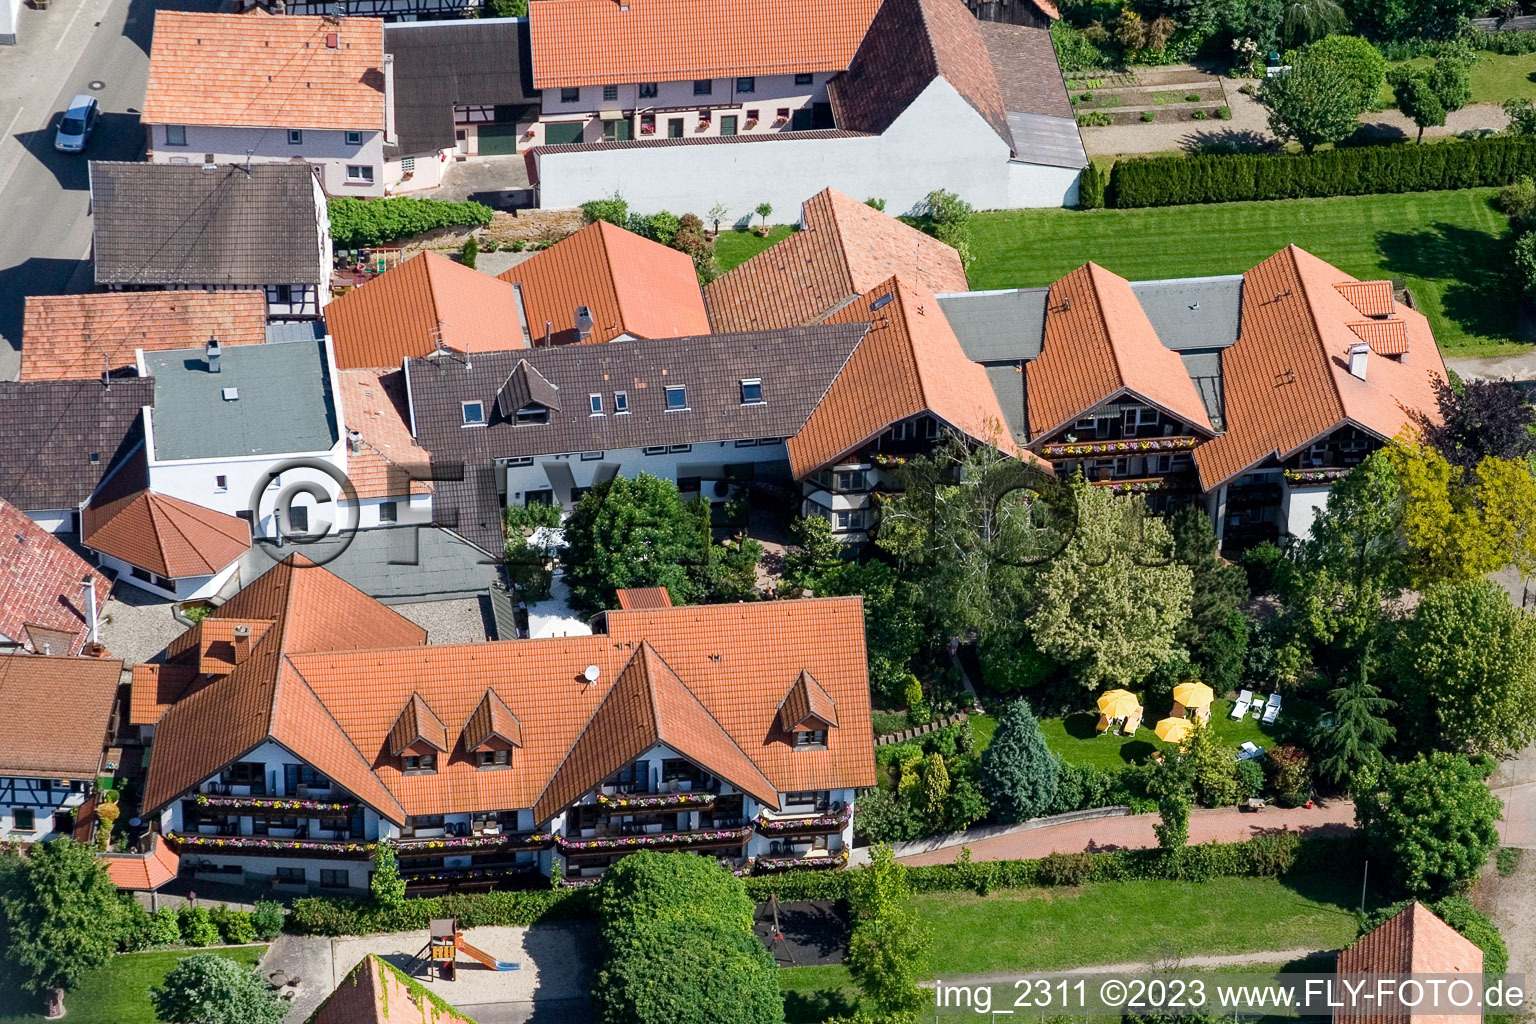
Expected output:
(418, 763)
(533, 414)
(493, 758)
(677, 398)
(811, 738)
(752, 391)
(474, 413)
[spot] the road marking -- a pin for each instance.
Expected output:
(65, 35)
(12, 124)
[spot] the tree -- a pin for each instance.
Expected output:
(1360, 62)
(1417, 101)
(1451, 80)
(1431, 820)
(1313, 103)
(1216, 633)
(1467, 670)
(764, 210)
(648, 887)
(1173, 828)
(1213, 769)
(509, 8)
(1110, 606)
(1522, 117)
(206, 988)
(888, 948)
(1302, 21)
(1482, 418)
(1460, 914)
(614, 210)
(731, 572)
(61, 915)
(633, 533)
(1355, 732)
(385, 884)
(683, 972)
(1018, 770)
(1525, 262)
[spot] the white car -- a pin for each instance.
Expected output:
(77, 124)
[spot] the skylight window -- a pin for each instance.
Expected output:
(752, 391)
(597, 404)
(474, 414)
(677, 398)
(620, 402)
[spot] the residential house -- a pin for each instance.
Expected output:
(1250, 393)
(405, 11)
(462, 89)
(49, 596)
(1417, 943)
(252, 432)
(736, 731)
(232, 89)
(214, 228)
(378, 992)
(391, 475)
(78, 337)
(762, 102)
(60, 713)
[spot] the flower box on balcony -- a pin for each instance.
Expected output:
(835, 860)
(701, 837)
(832, 822)
(515, 840)
(274, 803)
(660, 801)
(750, 123)
(1314, 476)
(1130, 444)
(269, 844)
(780, 122)
(647, 130)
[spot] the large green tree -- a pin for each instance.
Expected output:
(1018, 771)
(1360, 61)
(888, 948)
(1355, 730)
(1417, 101)
(648, 887)
(1315, 102)
(61, 915)
(1466, 662)
(1431, 821)
(1110, 607)
(206, 988)
(1216, 633)
(385, 884)
(633, 533)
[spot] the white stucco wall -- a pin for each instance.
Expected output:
(939, 141)
(188, 588)
(54, 520)
(324, 148)
(414, 508)
(1036, 185)
(10, 21)
(1299, 505)
(194, 480)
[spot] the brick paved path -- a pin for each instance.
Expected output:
(1226, 824)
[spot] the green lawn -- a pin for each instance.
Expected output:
(119, 992)
(1494, 77)
(1448, 246)
(733, 248)
(1075, 738)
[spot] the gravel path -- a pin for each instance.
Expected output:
(1226, 824)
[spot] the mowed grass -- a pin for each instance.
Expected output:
(1494, 77)
(733, 248)
(117, 993)
(1450, 247)
(1075, 738)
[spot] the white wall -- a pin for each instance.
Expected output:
(188, 588)
(10, 21)
(428, 172)
(706, 460)
(1033, 185)
(1299, 505)
(54, 520)
(323, 148)
(414, 508)
(193, 480)
(937, 142)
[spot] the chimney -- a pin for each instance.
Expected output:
(212, 351)
(549, 331)
(1359, 352)
(354, 441)
(332, 40)
(88, 602)
(583, 323)
(242, 642)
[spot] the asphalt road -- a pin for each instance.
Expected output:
(45, 228)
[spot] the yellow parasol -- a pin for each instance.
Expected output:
(1174, 730)
(1119, 704)
(1193, 695)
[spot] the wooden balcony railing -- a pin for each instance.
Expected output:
(450, 845)
(1119, 446)
(650, 840)
(290, 806)
(275, 846)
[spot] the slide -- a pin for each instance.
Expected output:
(486, 958)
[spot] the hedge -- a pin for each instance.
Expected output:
(325, 915)
(359, 222)
(1351, 171)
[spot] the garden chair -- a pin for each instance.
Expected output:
(1244, 702)
(1272, 709)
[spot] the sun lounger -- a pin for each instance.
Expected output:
(1248, 750)
(1272, 709)
(1244, 702)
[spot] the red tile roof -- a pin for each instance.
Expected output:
(1098, 345)
(1386, 337)
(143, 872)
(644, 598)
(58, 710)
(844, 249)
(166, 535)
(806, 705)
(598, 42)
(1414, 942)
(265, 71)
(376, 407)
(631, 284)
(1371, 298)
(408, 309)
(40, 581)
(78, 336)
(376, 992)
(1287, 383)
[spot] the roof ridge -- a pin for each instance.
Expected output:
(1314, 323)
(164, 513)
(603, 227)
(367, 764)
(909, 350)
(843, 265)
(1109, 338)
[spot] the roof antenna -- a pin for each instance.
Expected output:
(247, 167)
(441, 346)
(106, 372)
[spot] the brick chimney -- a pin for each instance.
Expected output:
(242, 642)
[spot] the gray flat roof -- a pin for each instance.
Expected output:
(995, 326)
(1042, 139)
(1193, 312)
(284, 404)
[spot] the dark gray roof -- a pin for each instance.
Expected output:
(284, 402)
(1052, 141)
(1193, 312)
(526, 386)
(998, 326)
(164, 224)
(442, 63)
(52, 428)
(1204, 368)
(397, 564)
(296, 330)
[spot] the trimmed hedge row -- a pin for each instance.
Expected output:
(1351, 171)
(1264, 856)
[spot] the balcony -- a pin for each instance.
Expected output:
(631, 803)
(1132, 485)
(287, 806)
(690, 838)
(276, 846)
(446, 878)
(809, 861)
(441, 845)
(1246, 496)
(1119, 446)
(1316, 475)
(782, 825)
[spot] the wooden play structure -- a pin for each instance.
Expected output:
(444, 944)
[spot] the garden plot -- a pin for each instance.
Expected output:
(1148, 95)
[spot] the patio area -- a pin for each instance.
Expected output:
(1076, 738)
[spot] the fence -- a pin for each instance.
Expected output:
(921, 730)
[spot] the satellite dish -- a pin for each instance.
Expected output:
(591, 673)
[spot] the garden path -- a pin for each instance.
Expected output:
(1183, 963)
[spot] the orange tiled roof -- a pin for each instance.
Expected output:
(166, 535)
(375, 405)
(844, 249)
(417, 724)
(1386, 337)
(1287, 383)
(40, 581)
(644, 597)
(1099, 344)
(598, 42)
(1414, 942)
(910, 362)
(156, 687)
(67, 337)
(266, 72)
(143, 872)
(1371, 298)
(375, 992)
(805, 702)
(406, 310)
(57, 711)
(631, 284)
(492, 719)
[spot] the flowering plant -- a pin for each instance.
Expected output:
(459, 874)
(1133, 486)
(771, 826)
(1314, 476)
(622, 802)
(835, 860)
(473, 842)
(713, 835)
(270, 803)
(1133, 444)
(331, 846)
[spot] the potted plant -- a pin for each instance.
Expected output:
(751, 123)
(764, 210)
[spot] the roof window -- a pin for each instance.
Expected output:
(882, 300)
(596, 403)
(620, 403)
(752, 391)
(474, 413)
(677, 398)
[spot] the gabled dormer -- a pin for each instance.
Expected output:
(418, 737)
(527, 397)
(492, 733)
(807, 713)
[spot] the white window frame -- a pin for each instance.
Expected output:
(359, 174)
(621, 403)
(295, 136)
(464, 408)
(752, 382)
(354, 138)
(681, 390)
(595, 403)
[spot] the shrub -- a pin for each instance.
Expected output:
(164, 927)
(647, 889)
(1148, 115)
(363, 222)
(1508, 860)
(1193, 97)
(322, 915)
(1090, 196)
(1518, 199)
(918, 711)
(267, 919)
(680, 970)
(1461, 915)
(614, 210)
(1198, 115)
(1093, 119)
(235, 926)
(470, 253)
(1360, 62)
(1224, 112)
(197, 927)
(1290, 774)
(138, 926)
(1525, 262)
(1250, 776)
(1074, 50)
(1362, 170)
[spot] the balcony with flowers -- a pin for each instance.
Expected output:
(285, 806)
(835, 820)
(808, 861)
(437, 846)
(682, 839)
(1119, 446)
(276, 846)
(635, 803)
